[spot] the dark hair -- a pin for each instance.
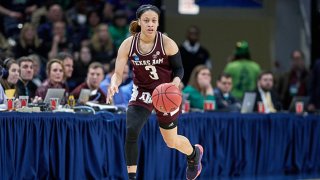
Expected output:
(63, 55)
(146, 7)
(6, 65)
(24, 59)
(225, 75)
(95, 65)
(134, 27)
(264, 73)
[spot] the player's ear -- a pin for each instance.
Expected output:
(139, 22)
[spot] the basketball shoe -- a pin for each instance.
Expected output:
(194, 165)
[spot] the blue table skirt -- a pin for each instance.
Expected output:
(74, 146)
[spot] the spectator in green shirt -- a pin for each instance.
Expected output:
(199, 87)
(243, 70)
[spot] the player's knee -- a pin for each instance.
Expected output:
(132, 134)
(171, 142)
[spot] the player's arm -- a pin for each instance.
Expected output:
(121, 60)
(174, 56)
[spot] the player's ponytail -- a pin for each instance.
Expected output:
(134, 27)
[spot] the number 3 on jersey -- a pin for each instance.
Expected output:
(153, 72)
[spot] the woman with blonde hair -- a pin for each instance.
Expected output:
(102, 45)
(56, 77)
(29, 42)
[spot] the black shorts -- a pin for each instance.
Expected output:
(171, 121)
(142, 97)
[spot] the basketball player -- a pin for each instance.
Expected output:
(155, 59)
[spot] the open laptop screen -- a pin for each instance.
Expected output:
(54, 93)
(248, 102)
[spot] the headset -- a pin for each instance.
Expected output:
(4, 73)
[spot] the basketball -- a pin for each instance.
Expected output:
(166, 97)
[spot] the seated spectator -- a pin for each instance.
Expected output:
(53, 14)
(60, 41)
(29, 43)
(119, 29)
(107, 12)
(199, 87)
(15, 13)
(37, 65)
(243, 70)
(93, 21)
(102, 47)
(56, 76)
(314, 103)
(94, 78)
(82, 65)
(224, 99)
(125, 89)
(25, 86)
(68, 62)
(266, 94)
(294, 82)
(3, 96)
(10, 77)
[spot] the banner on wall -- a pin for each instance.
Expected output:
(231, 3)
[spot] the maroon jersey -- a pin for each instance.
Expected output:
(152, 68)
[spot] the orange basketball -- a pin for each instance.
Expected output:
(166, 97)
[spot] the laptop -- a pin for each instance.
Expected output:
(54, 93)
(304, 99)
(84, 95)
(248, 102)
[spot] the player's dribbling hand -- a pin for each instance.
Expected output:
(111, 91)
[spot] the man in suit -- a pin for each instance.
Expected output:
(225, 101)
(266, 94)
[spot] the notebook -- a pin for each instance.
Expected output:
(248, 102)
(54, 93)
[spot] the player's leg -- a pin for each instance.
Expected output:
(137, 116)
(182, 144)
(168, 123)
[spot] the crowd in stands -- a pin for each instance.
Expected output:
(73, 45)
(242, 74)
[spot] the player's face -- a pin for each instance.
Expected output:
(149, 22)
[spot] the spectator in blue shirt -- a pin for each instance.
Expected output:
(225, 101)
(125, 90)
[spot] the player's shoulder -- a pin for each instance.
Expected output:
(128, 40)
(125, 45)
(167, 39)
(170, 45)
